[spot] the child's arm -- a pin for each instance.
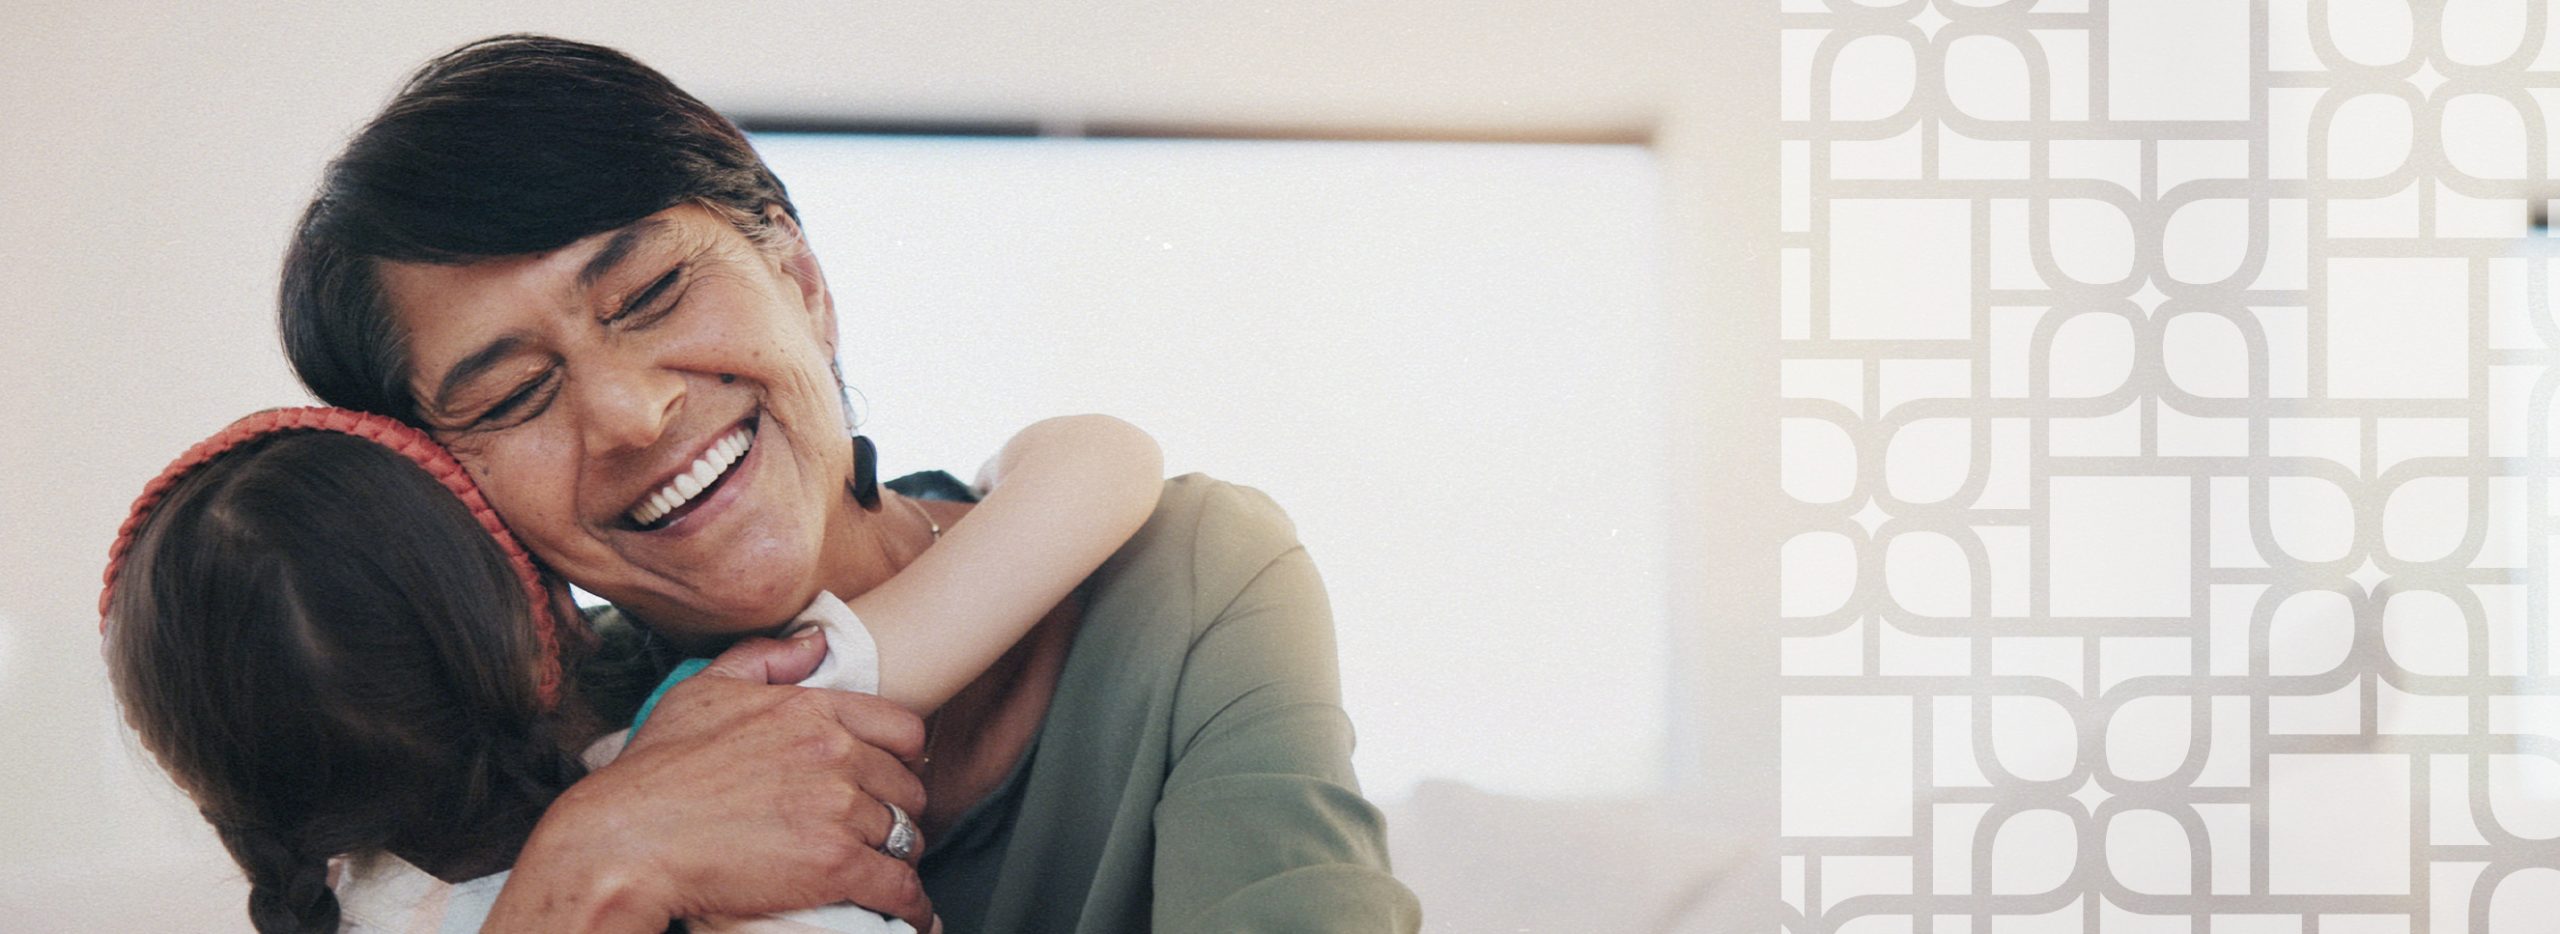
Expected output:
(1063, 495)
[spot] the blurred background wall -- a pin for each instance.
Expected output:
(1522, 349)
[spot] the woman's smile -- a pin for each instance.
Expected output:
(693, 487)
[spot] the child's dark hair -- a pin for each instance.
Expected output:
(316, 639)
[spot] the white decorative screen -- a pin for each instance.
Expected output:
(2168, 422)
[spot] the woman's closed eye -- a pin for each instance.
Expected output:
(527, 401)
(653, 302)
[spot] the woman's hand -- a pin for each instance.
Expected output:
(743, 796)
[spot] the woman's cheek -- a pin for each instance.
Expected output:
(531, 477)
(708, 331)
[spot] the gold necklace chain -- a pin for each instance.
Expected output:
(926, 516)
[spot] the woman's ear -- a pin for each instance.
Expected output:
(801, 264)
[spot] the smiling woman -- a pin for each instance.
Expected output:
(586, 284)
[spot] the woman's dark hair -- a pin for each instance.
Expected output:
(507, 146)
(321, 645)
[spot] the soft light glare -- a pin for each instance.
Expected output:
(1443, 359)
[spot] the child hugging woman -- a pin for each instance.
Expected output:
(328, 639)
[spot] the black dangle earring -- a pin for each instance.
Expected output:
(866, 474)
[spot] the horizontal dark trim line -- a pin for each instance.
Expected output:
(1590, 135)
(884, 127)
(1627, 135)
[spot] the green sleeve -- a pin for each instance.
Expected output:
(1261, 826)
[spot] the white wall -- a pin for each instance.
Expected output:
(1444, 359)
(152, 159)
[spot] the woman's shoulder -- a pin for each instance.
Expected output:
(1208, 537)
(1225, 515)
(1212, 596)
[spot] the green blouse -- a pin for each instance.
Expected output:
(1194, 769)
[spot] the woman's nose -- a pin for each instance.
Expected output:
(624, 405)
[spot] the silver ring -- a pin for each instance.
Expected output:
(903, 836)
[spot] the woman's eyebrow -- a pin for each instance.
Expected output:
(617, 249)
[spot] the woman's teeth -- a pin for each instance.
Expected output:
(689, 484)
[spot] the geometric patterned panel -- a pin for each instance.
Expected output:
(2168, 422)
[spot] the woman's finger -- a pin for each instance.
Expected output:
(884, 776)
(870, 719)
(889, 887)
(886, 828)
(771, 661)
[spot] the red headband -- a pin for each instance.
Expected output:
(408, 442)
